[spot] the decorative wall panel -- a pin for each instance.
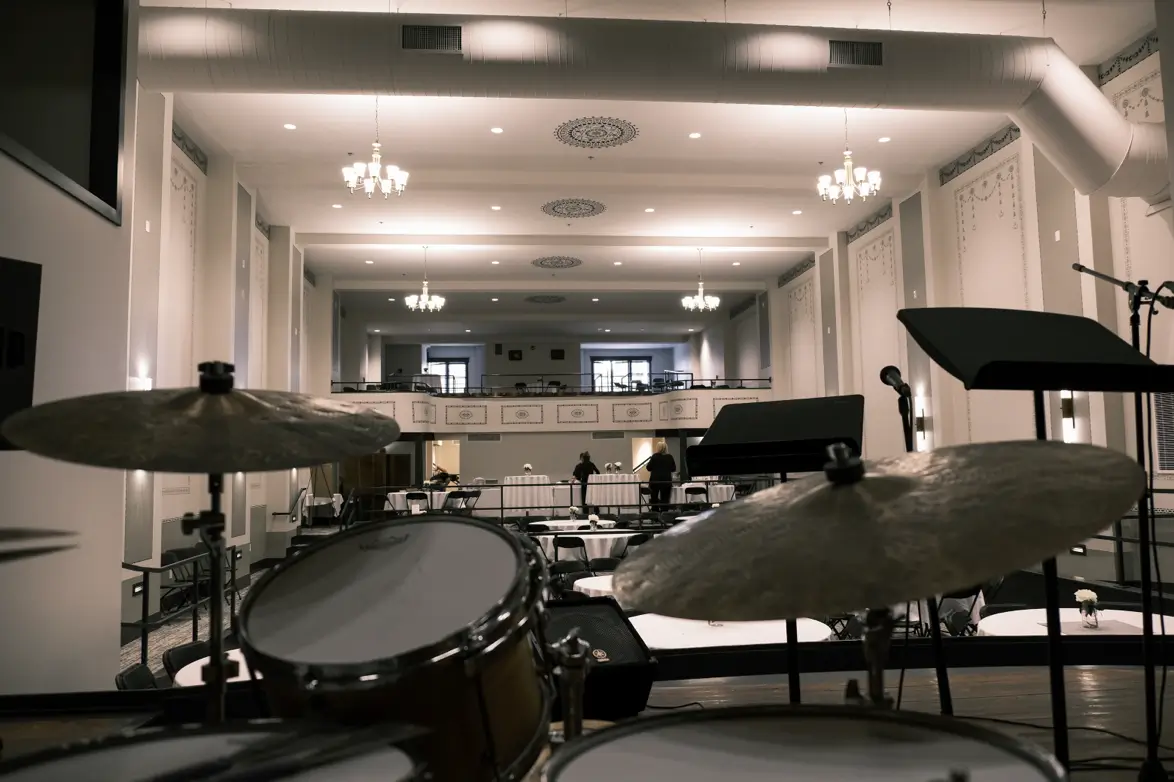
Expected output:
(802, 334)
(423, 413)
(522, 415)
(878, 339)
(993, 272)
(576, 414)
(631, 412)
(721, 401)
(465, 415)
(681, 410)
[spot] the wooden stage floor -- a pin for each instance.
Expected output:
(1106, 698)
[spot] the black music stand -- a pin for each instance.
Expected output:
(785, 436)
(1023, 350)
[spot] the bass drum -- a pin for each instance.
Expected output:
(801, 743)
(143, 756)
(428, 621)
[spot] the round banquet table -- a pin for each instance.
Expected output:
(1032, 621)
(598, 544)
(573, 525)
(596, 586)
(191, 675)
(665, 632)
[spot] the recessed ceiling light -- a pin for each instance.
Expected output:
(694, 135)
(607, 330)
(690, 329)
(495, 208)
(797, 212)
(369, 262)
(376, 331)
(390, 298)
(336, 206)
(468, 331)
(649, 210)
(496, 130)
(737, 263)
(495, 263)
(493, 299)
(618, 263)
(290, 126)
(884, 140)
(595, 300)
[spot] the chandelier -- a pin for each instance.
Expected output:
(700, 302)
(424, 302)
(848, 182)
(374, 175)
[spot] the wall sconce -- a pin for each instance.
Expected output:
(1079, 551)
(920, 424)
(1068, 416)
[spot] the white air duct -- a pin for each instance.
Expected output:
(1031, 79)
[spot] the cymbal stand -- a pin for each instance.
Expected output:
(878, 640)
(571, 656)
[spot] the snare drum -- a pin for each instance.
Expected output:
(151, 754)
(428, 621)
(809, 743)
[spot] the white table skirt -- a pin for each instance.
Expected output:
(1033, 621)
(718, 492)
(598, 544)
(563, 525)
(191, 675)
(618, 492)
(664, 632)
(397, 500)
(527, 495)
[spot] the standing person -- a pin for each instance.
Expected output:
(582, 472)
(661, 466)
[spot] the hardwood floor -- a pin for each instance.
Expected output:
(1104, 698)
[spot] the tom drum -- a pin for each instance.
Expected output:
(809, 743)
(428, 621)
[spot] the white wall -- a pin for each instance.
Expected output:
(742, 354)
(535, 361)
(554, 454)
(796, 343)
(61, 613)
(709, 349)
(406, 357)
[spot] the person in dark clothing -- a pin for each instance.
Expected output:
(661, 466)
(582, 472)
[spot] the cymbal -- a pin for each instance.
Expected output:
(186, 430)
(26, 534)
(915, 525)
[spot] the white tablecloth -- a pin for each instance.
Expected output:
(573, 524)
(617, 493)
(598, 544)
(1032, 621)
(718, 492)
(397, 500)
(664, 632)
(596, 586)
(191, 675)
(523, 498)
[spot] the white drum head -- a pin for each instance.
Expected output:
(776, 747)
(150, 758)
(380, 594)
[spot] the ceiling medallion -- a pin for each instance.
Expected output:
(556, 262)
(574, 207)
(596, 132)
(545, 299)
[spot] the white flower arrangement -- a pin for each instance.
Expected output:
(1086, 596)
(717, 505)
(593, 518)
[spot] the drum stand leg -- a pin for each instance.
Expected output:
(878, 639)
(219, 669)
(571, 656)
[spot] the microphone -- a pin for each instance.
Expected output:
(891, 376)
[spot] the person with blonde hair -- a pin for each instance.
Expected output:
(661, 466)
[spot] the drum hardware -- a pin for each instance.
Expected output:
(874, 533)
(891, 376)
(572, 656)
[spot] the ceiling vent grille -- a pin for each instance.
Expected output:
(484, 438)
(607, 435)
(432, 38)
(855, 54)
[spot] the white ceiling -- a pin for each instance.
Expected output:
(733, 191)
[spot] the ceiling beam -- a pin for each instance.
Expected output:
(557, 285)
(811, 243)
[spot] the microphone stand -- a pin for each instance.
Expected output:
(1141, 296)
(945, 699)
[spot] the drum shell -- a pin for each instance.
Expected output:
(451, 690)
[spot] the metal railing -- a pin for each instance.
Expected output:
(506, 386)
(187, 589)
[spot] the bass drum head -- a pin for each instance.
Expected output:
(381, 591)
(148, 755)
(813, 744)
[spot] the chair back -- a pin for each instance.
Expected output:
(136, 677)
(569, 541)
(185, 654)
(696, 491)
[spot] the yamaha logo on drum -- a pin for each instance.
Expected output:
(600, 655)
(384, 543)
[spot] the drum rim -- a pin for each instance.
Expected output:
(134, 736)
(959, 727)
(509, 614)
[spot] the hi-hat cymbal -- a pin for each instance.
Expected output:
(913, 526)
(186, 430)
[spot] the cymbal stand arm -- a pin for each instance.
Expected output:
(571, 653)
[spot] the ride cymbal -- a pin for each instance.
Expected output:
(197, 430)
(913, 526)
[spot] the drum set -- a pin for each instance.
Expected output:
(414, 649)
